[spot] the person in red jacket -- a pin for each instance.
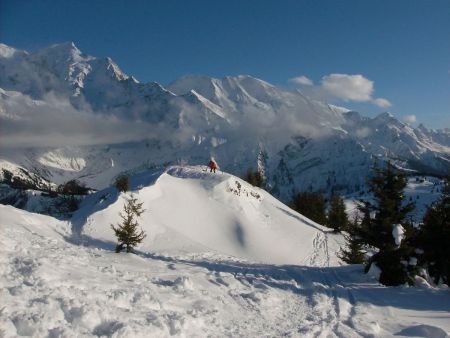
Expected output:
(212, 165)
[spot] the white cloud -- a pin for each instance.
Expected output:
(301, 80)
(383, 103)
(409, 118)
(345, 87)
(348, 87)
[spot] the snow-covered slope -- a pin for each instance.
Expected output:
(296, 142)
(189, 210)
(199, 272)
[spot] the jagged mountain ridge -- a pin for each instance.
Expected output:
(244, 122)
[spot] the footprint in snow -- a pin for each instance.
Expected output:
(180, 283)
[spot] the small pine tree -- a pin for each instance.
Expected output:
(122, 183)
(389, 209)
(254, 178)
(434, 238)
(354, 252)
(337, 217)
(311, 205)
(127, 232)
(365, 209)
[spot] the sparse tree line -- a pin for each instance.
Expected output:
(384, 235)
(65, 197)
(71, 187)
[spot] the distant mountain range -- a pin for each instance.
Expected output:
(243, 122)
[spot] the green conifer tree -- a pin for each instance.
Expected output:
(389, 211)
(127, 232)
(337, 217)
(354, 252)
(311, 205)
(254, 178)
(434, 238)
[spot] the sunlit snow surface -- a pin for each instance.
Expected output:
(196, 274)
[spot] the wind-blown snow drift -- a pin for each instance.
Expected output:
(191, 210)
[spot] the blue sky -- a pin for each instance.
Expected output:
(353, 52)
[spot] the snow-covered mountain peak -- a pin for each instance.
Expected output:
(353, 116)
(422, 127)
(210, 86)
(63, 52)
(248, 80)
(385, 117)
(200, 83)
(67, 46)
(156, 87)
(338, 109)
(7, 51)
(115, 70)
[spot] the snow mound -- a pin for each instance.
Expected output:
(189, 210)
(427, 331)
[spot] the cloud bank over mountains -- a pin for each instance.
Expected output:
(54, 122)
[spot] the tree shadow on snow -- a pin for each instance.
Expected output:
(88, 241)
(240, 234)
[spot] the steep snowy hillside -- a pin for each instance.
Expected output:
(66, 115)
(199, 273)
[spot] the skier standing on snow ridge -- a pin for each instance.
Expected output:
(212, 165)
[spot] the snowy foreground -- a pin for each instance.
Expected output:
(221, 259)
